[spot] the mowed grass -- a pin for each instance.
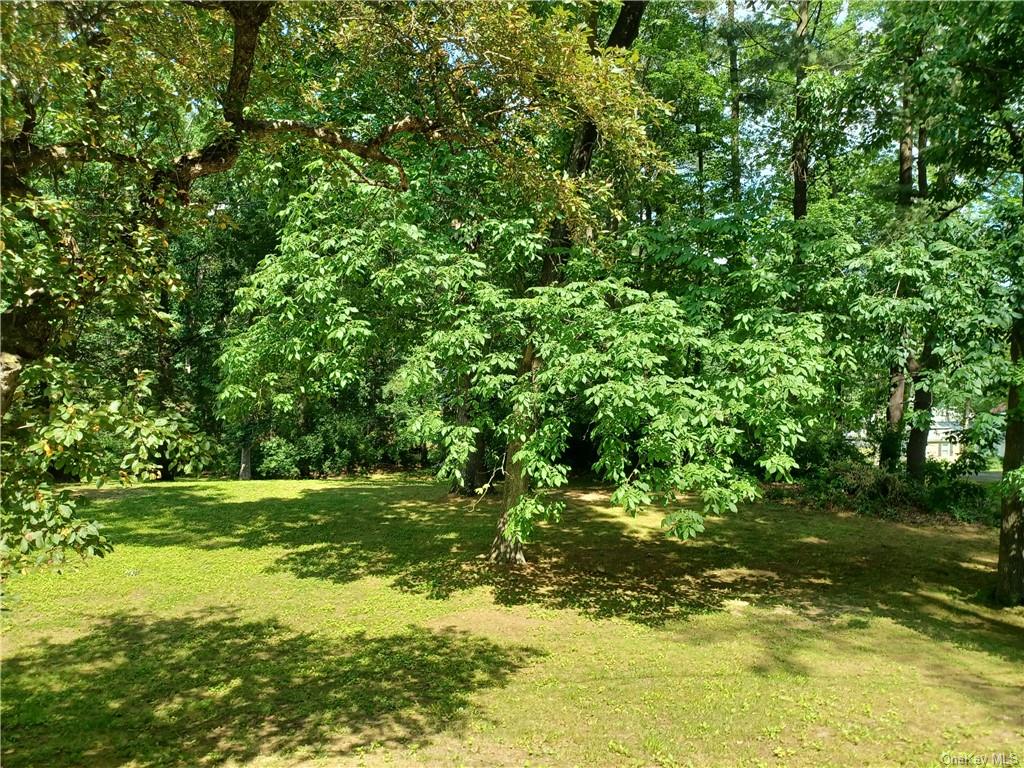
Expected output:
(353, 622)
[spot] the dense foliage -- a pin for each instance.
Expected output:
(687, 248)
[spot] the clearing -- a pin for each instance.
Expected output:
(286, 623)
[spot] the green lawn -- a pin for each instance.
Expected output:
(353, 623)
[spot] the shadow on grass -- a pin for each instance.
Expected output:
(211, 688)
(596, 561)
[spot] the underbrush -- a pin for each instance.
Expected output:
(866, 489)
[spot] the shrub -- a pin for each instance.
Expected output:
(948, 491)
(868, 489)
(822, 451)
(279, 459)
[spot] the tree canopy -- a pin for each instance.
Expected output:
(688, 248)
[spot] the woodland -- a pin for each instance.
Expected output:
(685, 248)
(574, 312)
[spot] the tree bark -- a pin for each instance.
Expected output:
(245, 464)
(470, 474)
(1010, 570)
(700, 171)
(892, 439)
(505, 550)
(163, 387)
(578, 161)
(517, 479)
(906, 156)
(917, 443)
(922, 163)
(735, 172)
(800, 141)
(10, 372)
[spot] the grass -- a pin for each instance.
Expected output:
(353, 623)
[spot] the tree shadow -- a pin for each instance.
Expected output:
(211, 687)
(597, 562)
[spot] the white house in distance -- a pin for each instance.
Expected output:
(945, 425)
(941, 437)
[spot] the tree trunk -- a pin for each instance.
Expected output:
(735, 173)
(892, 439)
(581, 154)
(517, 480)
(163, 387)
(1010, 580)
(917, 443)
(700, 170)
(922, 163)
(504, 550)
(245, 465)
(472, 471)
(800, 141)
(10, 372)
(906, 156)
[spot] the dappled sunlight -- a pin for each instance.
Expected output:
(211, 688)
(812, 540)
(596, 560)
(366, 621)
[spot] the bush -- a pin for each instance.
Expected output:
(948, 491)
(279, 459)
(822, 451)
(856, 485)
(868, 489)
(329, 445)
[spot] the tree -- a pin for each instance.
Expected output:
(507, 546)
(800, 140)
(324, 237)
(66, 135)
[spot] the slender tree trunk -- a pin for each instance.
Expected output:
(517, 480)
(906, 156)
(1010, 583)
(892, 439)
(800, 141)
(581, 154)
(917, 443)
(922, 163)
(504, 549)
(245, 464)
(472, 468)
(735, 172)
(164, 384)
(700, 171)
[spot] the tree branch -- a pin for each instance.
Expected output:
(20, 156)
(368, 150)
